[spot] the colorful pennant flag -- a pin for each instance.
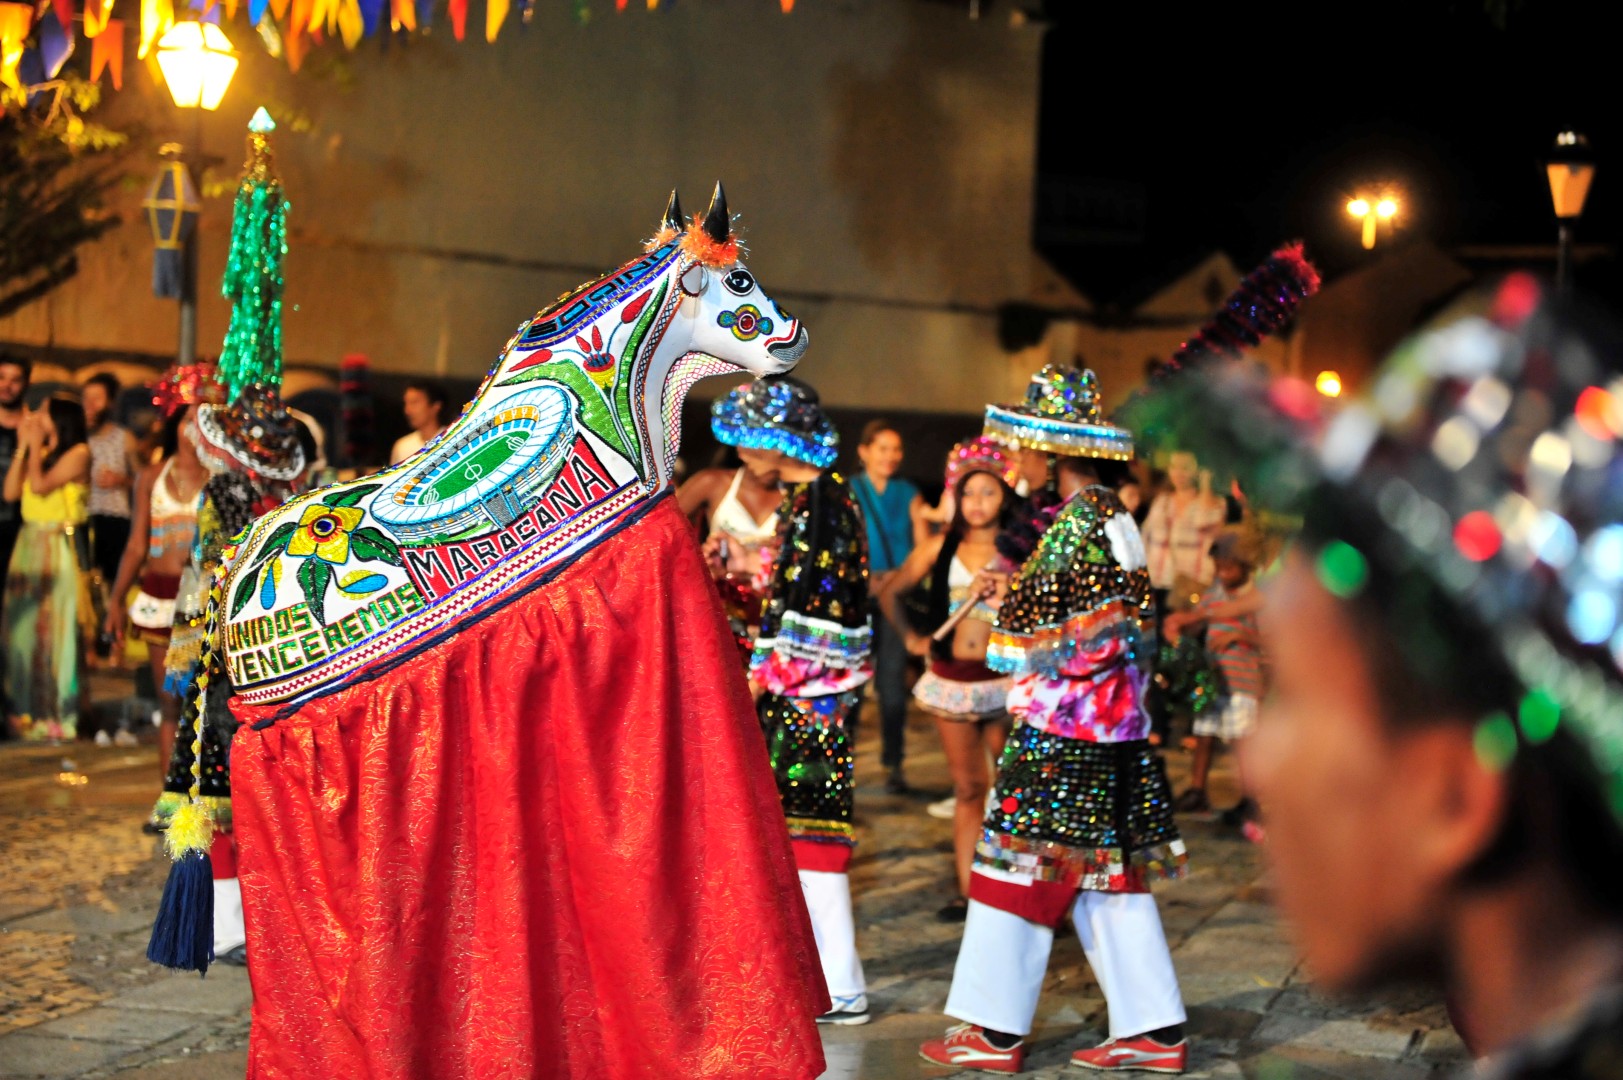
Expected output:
(107, 52)
(55, 42)
(97, 12)
(64, 15)
(157, 16)
(351, 23)
(495, 15)
(15, 22)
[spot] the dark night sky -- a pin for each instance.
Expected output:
(1240, 132)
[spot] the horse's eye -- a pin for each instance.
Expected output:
(739, 281)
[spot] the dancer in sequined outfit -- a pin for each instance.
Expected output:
(254, 459)
(1080, 819)
(811, 658)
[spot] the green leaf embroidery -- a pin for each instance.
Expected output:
(370, 543)
(274, 544)
(314, 576)
(350, 496)
(245, 591)
(628, 361)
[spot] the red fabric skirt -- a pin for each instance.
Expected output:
(548, 846)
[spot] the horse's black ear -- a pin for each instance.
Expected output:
(717, 223)
(673, 211)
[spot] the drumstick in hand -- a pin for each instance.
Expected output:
(958, 616)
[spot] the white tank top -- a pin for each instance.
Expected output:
(733, 518)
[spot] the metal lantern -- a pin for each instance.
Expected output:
(172, 206)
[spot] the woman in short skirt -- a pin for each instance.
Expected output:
(968, 699)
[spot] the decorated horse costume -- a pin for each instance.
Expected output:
(500, 797)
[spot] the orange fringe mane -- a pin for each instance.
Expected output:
(708, 252)
(664, 236)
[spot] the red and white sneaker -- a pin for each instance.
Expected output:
(966, 1047)
(1140, 1053)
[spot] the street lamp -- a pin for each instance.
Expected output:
(1371, 213)
(1328, 383)
(197, 62)
(1570, 170)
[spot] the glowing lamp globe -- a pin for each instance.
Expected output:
(1570, 170)
(197, 62)
(1328, 383)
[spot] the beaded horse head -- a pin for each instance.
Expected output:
(572, 432)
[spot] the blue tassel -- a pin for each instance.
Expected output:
(183, 935)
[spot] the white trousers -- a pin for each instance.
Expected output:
(828, 899)
(228, 929)
(1004, 957)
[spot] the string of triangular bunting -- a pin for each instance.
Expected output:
(37, 37)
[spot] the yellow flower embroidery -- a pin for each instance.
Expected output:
(324, 532)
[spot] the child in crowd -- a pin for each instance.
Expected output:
(969, 699)
(1228, 612)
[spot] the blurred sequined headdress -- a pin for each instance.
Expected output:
(777, 413)
(1480, 486)
(1060, 415)
(981, 454)
(191, 384)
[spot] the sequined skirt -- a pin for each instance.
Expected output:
(956, 699)
(813, 764)
(1084, 815)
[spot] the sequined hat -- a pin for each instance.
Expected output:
(981, 454)
(1477, 494)
(255, 433)
(1060, 415)
(777, 413)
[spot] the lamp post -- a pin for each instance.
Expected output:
(197, 62)
(1372, 212)
(1570, 169)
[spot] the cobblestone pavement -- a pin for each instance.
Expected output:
(80, 882)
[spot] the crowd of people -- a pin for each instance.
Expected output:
(1064, 614)
(97, 526)
(1022, 613)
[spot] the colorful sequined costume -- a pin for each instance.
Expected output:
(509, 815)
(231, 502)
(1080, 819)
(252, 451)
(812, 655)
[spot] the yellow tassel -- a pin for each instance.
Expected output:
(191, 829)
